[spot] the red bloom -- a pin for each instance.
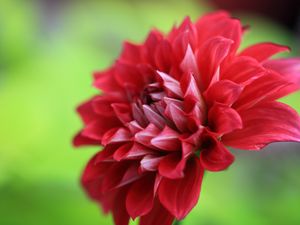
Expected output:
(171, 105)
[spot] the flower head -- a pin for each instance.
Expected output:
(170, 106)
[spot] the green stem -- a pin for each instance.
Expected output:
(176, 222)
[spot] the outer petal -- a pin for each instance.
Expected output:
(289, 69)
(158, 216)
(214, 156)
(265, 88)
(263, 51)
(219, 24)
(242, 70)
(265, 123)
(140, 197)
(120, 214)
(181, 195)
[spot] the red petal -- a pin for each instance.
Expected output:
(122, 111)
(105, 81)
(265, 88)
(263, 51)
(167, 140)
(131, 53)
(210, 56)
(242, 70)
(171, 166)
(219, 24)
(157, 216)
(224, 91)
(120, 174)
(87, 112)
(223, 119)
(140, 197)
(96, 129)
(214, 156)
(263, 124)
(181, 195)
(80, 140)
(120, 214)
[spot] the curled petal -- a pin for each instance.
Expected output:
(185, 191)
(223, 119)
(265, 123)
(214, 156)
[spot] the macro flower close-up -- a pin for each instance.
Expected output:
(176, 106)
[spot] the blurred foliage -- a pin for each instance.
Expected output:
(47, 55)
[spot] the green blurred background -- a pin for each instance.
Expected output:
(48, 50)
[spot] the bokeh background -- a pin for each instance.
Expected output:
(48, 50)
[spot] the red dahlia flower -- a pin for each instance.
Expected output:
(170, 106)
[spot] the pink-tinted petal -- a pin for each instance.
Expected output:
(209, 58)
(167, 140)
(157, 216)
(129, 151)
(289, 69)
(214, 156)
(223, 119)
(177, 115)
(140, 197)
(172, 86)
(224, 91)
(144, 137)
(116, 135)
(154, 117)
(265, 123)
(150, 163)
(179, 196)
(263, 51)
(189, 63)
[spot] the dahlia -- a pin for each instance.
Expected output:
(168, 108)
